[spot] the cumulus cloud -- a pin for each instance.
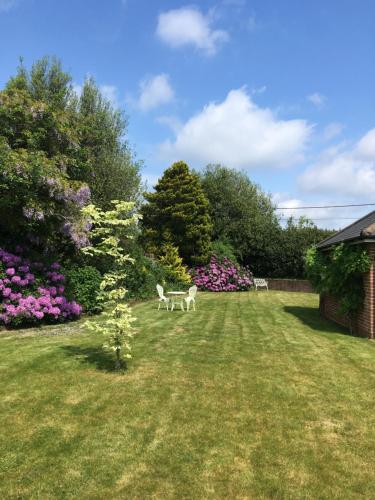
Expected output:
(349, 171)
(317, 99)
(188, 26)
(332, 130)
(154, 92)
(240, 134)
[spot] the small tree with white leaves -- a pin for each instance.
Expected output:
(109, 229)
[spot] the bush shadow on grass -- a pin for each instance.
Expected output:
(94, 356)
(311, 317)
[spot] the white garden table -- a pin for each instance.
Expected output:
(177, 298)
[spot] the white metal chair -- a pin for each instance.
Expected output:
(191, 297)
(162, 298)
(261, 283)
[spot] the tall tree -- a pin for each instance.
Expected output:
(113, 172)
(242, 214)
(57, 150)
(178, 213)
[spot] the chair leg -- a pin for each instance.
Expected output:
(159, 306)
(187, 304)
(193, 304)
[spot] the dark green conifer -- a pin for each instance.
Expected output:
(178, 212)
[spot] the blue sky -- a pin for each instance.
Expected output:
(282, 90)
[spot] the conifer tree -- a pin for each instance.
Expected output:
(178, 213)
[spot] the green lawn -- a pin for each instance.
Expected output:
(251, 396)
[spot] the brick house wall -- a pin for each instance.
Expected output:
(365, 321)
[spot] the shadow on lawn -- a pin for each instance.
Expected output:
(95, 356)
(311, 317)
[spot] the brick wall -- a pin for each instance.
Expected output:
(364, 324)
(286, 285)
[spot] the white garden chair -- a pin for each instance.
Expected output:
(191, 297)
(162, 298)
(260, 283)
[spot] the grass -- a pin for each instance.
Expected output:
(252, 396)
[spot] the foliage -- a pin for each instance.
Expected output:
(241, 214)
(222, 249)
(145, 273)
(38, 153)
(225, 276)
(173, 263)
(56, 151)
(83, 284)
(287, 259)
(32, 292)
(245, 217)
(177, 213)
(109, 229)
(112, 171)
(340, 273)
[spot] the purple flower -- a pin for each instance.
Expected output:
(10, 271)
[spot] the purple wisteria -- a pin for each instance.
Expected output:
(31, 292)
(224, 276)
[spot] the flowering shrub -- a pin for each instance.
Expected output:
(224, 276)
(31, 292)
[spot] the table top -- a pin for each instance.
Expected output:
(177, 293)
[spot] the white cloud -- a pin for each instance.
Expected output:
(110, 93)
(188, 26)
(366, 146)
(238, 133)
(347, 171)
(154, 92)
(170, 121)
(317, 99)
(6, 5)
(332, 130)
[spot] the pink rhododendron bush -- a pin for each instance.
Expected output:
(32, 292)
(223, 276)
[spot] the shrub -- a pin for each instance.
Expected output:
(144, 274)
(225, 276)
(340, 273)
(32, 292)
(171, 260)
(83, 285)
(222, 249)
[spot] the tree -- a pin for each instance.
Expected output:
(40, 199)
(110, 229)
(178, 213)
(173, 263)
(242, 215)
(56, 151)
(113, 172)
(292, 242)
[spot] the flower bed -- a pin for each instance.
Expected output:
(224, 276)
(31, 292)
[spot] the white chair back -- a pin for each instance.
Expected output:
(193, 291)
(160, 290)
